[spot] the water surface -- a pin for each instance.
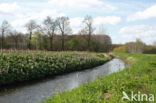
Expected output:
(37, 92)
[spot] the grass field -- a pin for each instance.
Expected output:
(140, 77)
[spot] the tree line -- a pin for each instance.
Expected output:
(54, 35)
(136, 47)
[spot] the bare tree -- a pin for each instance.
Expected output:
(103, 41)
(154, 43)
(16, 38)
(50, 28)
(136, 47)
(64, 27)
(31, 26)
(88, 28)
(101, 30)
(4, 29)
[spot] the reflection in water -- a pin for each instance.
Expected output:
(38, 92)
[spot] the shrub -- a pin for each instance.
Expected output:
(149, 50)
(121, 49)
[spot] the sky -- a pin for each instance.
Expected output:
(122, 20)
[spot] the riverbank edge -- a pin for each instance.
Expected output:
(3, 88)
(109, 89)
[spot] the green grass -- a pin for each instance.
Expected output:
(140, 76)
(24, 67)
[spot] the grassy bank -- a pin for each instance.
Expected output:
(139, 77)
(23, 67)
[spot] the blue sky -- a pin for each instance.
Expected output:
(123, 20)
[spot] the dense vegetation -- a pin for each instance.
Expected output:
(139, 77)
(72, 42)
(55, 34)
(135, 47)
(120, 49)
(21, 67)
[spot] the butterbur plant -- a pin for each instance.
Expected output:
(21, 67)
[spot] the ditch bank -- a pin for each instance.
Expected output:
(40, 91)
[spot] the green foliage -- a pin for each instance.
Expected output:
(21, 67)
(73, 44)
(121, 49)
(40, 41)
(150, 50)
(94, 46)
(36, 41)
(135, 47)
(138, 41)
(140, 76)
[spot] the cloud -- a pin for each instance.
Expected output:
(108, 20)
(76, 24)
(43, 14)
(19, 14)
(146, 14)
(144, 32)
(81, 4)
(20, 22)
(9, 9)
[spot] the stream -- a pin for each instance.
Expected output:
(40, 91)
